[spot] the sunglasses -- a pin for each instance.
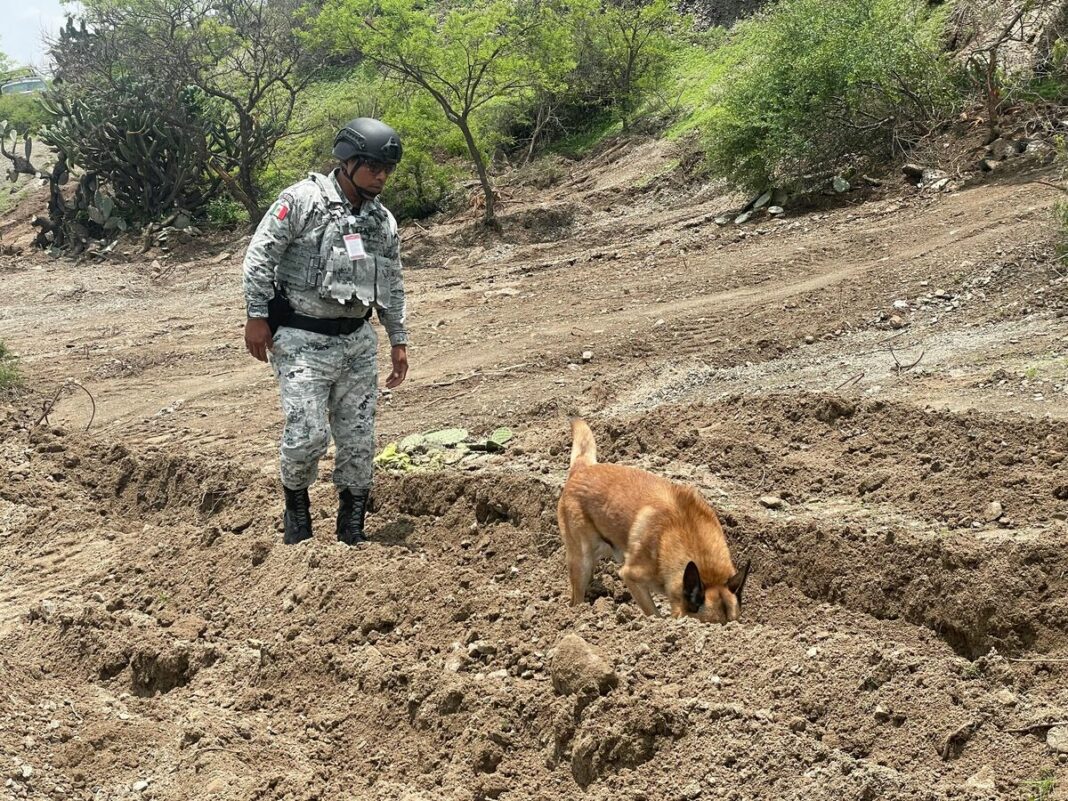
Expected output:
(376, 167)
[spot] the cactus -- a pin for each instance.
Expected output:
(20, 165)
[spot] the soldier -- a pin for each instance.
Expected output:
(322, 259)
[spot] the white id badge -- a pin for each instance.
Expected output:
(354, 246)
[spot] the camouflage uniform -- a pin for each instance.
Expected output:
(328, 384)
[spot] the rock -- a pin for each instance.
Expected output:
(481, 648)
(577, 668)
(809, 340)
(1002, 149)
(912, 170)
(743, 218)
(27, 771)
(993, 511)
(938, 185)
(897, 322)
(762, 201)
(984, 779)
(988, 165)
(691, 791)
(776, 211)
(901, 304)
(1006, 697)
(1057, 739)
(872, 483)
(587, 356)
(139, 786)
(771, 502)
(721, 221)
(840, 184)
(930, 176)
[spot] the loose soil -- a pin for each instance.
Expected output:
(901, 486)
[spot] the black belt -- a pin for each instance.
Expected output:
(335, 326)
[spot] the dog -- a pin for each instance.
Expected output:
(665, 535)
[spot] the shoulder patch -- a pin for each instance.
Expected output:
(281, 208)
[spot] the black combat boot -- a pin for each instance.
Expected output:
(298, 516)
(351, 508)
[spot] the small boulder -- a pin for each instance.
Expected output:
(577, 668)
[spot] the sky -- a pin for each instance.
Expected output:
(23, 26)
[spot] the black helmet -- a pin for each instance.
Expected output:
(368, 138)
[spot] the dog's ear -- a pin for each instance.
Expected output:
(736, 582)
(693, 589)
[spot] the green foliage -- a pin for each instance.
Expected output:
(170, 101)
(24, 113)
(9, 372)
(625, 50)
(809, 85)
(222, 211)
(580, 143)
(1040, 789)
(472, 59)
(420, 184)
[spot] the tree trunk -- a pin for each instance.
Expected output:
(487, 188)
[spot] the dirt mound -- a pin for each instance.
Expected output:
(904, 629)
(197, 654)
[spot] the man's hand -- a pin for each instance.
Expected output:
(258, 338)
(399, 355)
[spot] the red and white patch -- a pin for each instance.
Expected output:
(283, 210)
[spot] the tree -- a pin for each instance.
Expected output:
(632, 40)
(467, 58)
(222, 76)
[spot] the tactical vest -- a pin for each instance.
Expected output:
(326, 266)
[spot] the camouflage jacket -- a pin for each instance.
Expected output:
(294, 227)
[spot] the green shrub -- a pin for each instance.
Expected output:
(23, 113)
(419, 186)
(809, 85)
(222, 211)
(9, 371)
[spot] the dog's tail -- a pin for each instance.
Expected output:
(583, 447)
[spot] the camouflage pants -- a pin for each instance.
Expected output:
(328, 386)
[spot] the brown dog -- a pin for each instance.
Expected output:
(666, 536)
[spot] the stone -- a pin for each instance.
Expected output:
(743, 218)
(587, 356)
(840, 184)
(776, 211)
(1006, 697)
(577, 668)
(1057, 739)
(983, 779)
(992, 512)
(762, 201)
(771, 501)
(897, 322)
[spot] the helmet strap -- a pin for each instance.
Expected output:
(362, 193)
